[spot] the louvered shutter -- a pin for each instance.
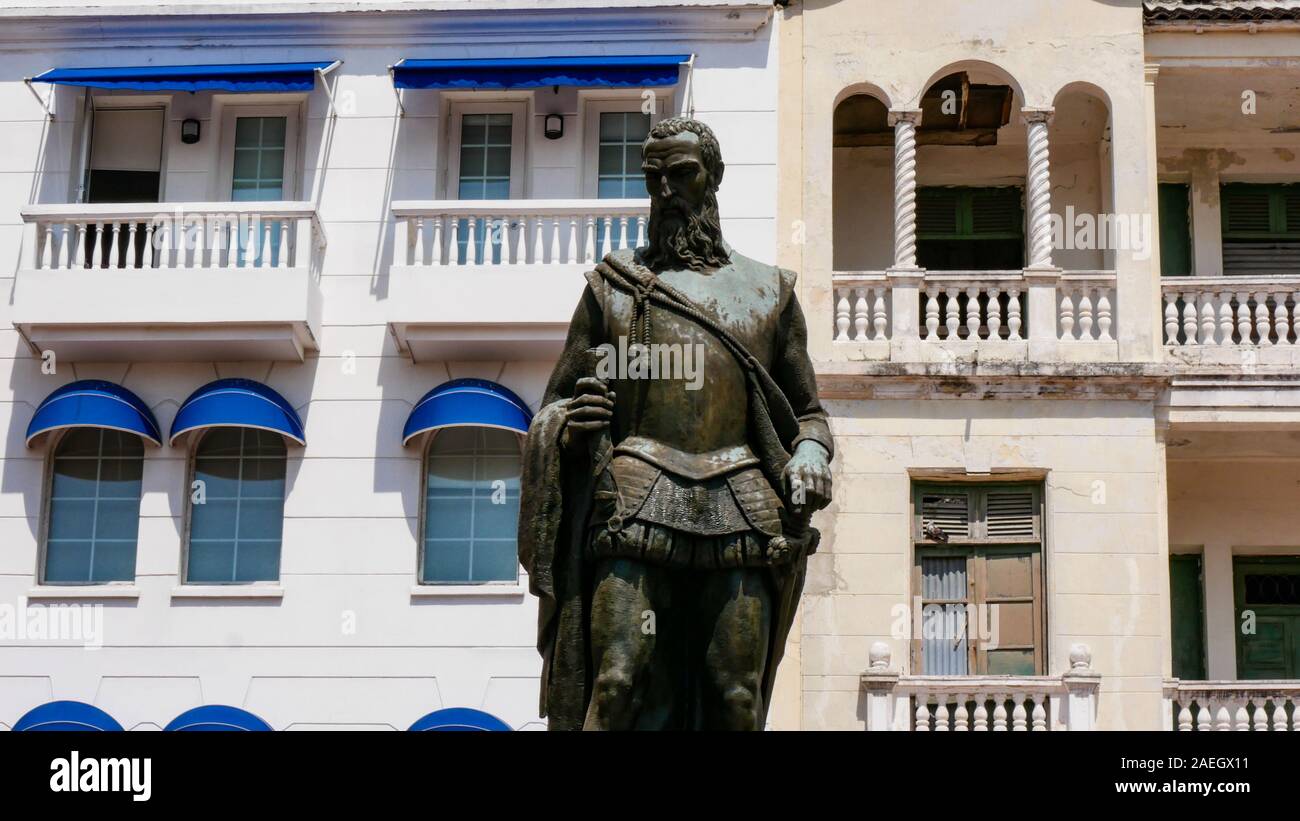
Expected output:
(937, 211)
(1010, 514)
(995, 211)
(1246, 209)
(949, 512)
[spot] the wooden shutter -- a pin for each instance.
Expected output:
(1010, 513)
(950, 511)
(937, 211)
(995, 212)
(1175, 229)
(1247, 209)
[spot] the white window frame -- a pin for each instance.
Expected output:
(95, 102)
(292, 113)
(592, 106)
(457, 109)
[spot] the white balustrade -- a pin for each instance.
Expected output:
(1086, 309)
(1231, 311)
(452, 233)
(171, 236)
(972, 306)
(1260, 705)
(861, 307)
(981, 703)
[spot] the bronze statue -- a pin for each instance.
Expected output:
(664, 514)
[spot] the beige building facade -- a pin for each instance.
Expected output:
(1049, 252)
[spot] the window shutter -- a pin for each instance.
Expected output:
(945, 516)
(995, 211)
(1246, 209)
(1010, 513)
(937, 211)
(1291, 198)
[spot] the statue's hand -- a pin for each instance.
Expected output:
(590, 411)
(808, 476)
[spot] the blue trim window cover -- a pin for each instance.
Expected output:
(217, 718)
(459, 719)
(617, 71)
(74, 716)
(467, 402)
(222, 77)
(94, 403)
(237, 403)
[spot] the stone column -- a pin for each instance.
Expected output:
(1038, 188)
(904, 123)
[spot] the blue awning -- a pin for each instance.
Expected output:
(217, 717)
(66, 715)
(615, 71)
(472, 402)
(237, 403)
(220, 77)
(94, 403)
(459, 718)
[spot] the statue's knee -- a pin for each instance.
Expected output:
(740, 695)
(613, 686)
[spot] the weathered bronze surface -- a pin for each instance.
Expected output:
(671, 473)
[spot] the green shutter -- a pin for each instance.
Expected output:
(954, 212)
(1175, 230)
(1260, 211)
(1187, 617)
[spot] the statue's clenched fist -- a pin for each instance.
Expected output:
(807, 477)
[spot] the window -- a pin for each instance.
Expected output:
(978, 572)
(237, 507)
(618, 154)
(259, 164)
(94, 508)
(969, 229)
(1270, 588)
(125, 155)
(486, 161)
(471, 507)
(1261, 228)
(258, 169)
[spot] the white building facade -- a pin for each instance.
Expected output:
(336, 287)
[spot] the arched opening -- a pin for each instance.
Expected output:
(1082, 173)
(862, 184)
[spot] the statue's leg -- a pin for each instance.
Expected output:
(621, 648)
(739, 605)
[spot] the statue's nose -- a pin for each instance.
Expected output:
(665, 190)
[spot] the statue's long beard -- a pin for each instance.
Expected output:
(681, 238)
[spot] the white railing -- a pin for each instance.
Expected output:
(1231, 311)
(972, 305)
(981, 703)
(861, 307)
(1087, 306)
(186, 235)
(515, 232)
(1262, 706)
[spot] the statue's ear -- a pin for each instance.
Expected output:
(717, 179)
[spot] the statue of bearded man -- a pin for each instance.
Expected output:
(664, 518)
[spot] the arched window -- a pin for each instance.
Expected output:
(236, 506)
(94, 507)
(471, 506)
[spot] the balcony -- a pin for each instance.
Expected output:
(944, 316)
(1232, 320)
(1261, 706)
(174, 282)
(498, 279)
(895, 702)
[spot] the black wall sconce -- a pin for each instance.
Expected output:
(189, 131)
(554, 126)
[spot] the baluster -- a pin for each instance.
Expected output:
(1018, 723)
(473, 250)
(1226, 325)
(163, 230)
(1243, 318)
(1039, 716)
(282, 259)
(67, 245)
(1067, 315)
(1013, 314)
(640, 230)
(1222, 719)
(85, 254)
(1279, 714)
(1295, 316)
(555, 241)
(1204, 714)
(981, 714)
(842, 316)
(922, 718)
(1207, 319)
(1263, 320)
(1171, 320)
(860, 314)
(589, 239)
(1103, 315)
(1280, 321)
(999, 713)
(973, 313)
(150, 257)
(880, 317)
(453, 247)
(932, 313)
(1261, 714)
(520, 243)
(951, 314)
(415, 227)
(960, 718)
(538, 252)
(1190, 317)
(45, 245)
(574, 226)
(113, 246)
(1085, 314)
(994, 312)
(1241, 721)
(941, 716)
(1184, 717)
(1295, 714)
(131, 240)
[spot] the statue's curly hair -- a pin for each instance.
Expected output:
(709, 148)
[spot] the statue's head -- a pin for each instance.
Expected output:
(683, 169)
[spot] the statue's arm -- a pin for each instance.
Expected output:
(584, 333)
(793, 372)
